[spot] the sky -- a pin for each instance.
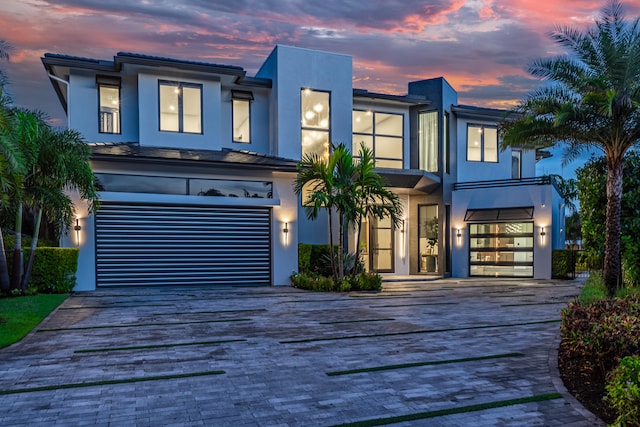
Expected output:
(482, 47)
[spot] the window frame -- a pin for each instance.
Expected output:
(482, 143)
(374, 136)
(112, 83)
(180, 85)
(244, 99)
(519, 157)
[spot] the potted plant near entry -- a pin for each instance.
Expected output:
(431, 228)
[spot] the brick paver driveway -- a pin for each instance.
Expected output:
(284, 357)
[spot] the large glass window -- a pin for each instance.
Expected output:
(501, 249)
(516, 162)
(241, 120)
(428, 140)
(482, 143)
(382, 133)
(109, 100)
(180, 107)
(315, 123)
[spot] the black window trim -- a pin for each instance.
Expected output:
(482, 160)
(180, 85)
(110, 82)
(373, 135)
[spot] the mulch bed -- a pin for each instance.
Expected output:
(589, 389)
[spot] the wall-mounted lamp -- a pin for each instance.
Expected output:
(402, 225)
(542, 233)
(459, 233)
(286, 227)
(77, 228)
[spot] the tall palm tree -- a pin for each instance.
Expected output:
(62, 164)
(592, 100)
(373, 199)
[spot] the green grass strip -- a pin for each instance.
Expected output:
(110, 382)
(136, 325)
(533, 303)
(416, 364)
(211, 312)
(422, 331)
(451, 411)
(357, 321)
(99, 307)
(19, 315)
(152, 346)
(414, 305)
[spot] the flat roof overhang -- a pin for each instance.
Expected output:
(410, 180)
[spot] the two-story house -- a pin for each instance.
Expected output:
(196, 163)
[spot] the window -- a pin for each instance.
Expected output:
(382, 133)
(241, 106)
(180, 107)
(516, 162)
(428, 140)
(315, 123)
(109, 104)
(447, 143)
(482, 143)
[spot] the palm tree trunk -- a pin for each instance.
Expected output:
(341, 248)
(34, 244)
(16, 277)
(612, 263)
(4, 267)
(358, 234)
(331, 253)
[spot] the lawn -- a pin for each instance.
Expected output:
(20, 315)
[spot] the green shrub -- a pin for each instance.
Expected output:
(304, 257)
(360, 282)
(597, 334)
(623, 392)
(588, 261)
(563, 263)
(594, 289)
(54, 270)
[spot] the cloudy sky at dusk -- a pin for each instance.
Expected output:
(482, 47)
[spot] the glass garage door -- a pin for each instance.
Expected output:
(501, 249)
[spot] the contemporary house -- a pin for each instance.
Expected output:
(196, 163)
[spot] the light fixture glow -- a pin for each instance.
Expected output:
(77, 229)
(542, 233)
(309, 115)
(318, 108)
(286, 227)
(459, 233)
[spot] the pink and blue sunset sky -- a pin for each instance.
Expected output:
(482, 47)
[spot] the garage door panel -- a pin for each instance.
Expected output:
(178, 245)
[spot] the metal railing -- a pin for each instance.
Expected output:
(538, 180)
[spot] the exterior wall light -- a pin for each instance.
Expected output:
(542, 233)
(459, 233)
(77, 228)
(286, 227)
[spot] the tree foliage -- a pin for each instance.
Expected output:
(592, 196)
(350, 189)
(591, 99)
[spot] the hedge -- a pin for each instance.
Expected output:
(54, 269)
(563, 263)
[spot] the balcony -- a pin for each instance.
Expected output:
(538, 180)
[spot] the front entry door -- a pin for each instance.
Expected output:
(382, 248)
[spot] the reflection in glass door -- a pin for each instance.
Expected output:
(381, 248)
(428, 238)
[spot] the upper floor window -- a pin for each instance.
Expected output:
(428, 140)
(516, 164)
(109, 104)
(180, 107)
(382, 133)
(241, 107)
(315, 122)
(482, 143)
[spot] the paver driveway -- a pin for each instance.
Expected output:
(261, 357)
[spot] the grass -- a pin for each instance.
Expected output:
(594, 289)
(19, 315)
(418, 364)
(458, 410)
(110, 382)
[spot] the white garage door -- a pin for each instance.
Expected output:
(182, 245)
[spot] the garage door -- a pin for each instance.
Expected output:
(182, 245)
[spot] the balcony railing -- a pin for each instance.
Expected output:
(538, 180)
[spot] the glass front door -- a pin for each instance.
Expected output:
(428, 238)
(381, 247)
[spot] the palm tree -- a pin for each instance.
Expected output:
(353, 190)
(372, 198)
(62, 164)
(592, 101)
